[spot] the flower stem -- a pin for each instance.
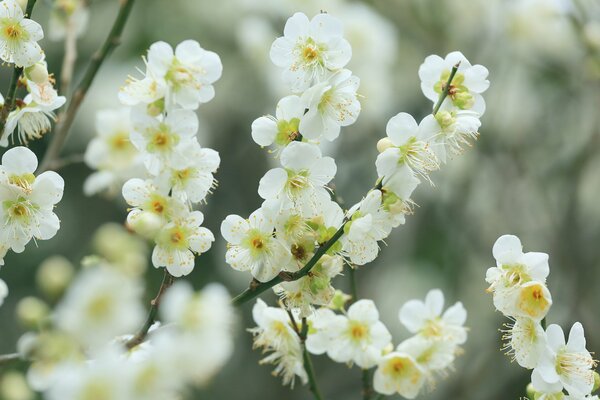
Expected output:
(154, 304)
(10, 98)
(353, 287)
(62, 129)
(312, 381)
(366, 382)
(444, 93)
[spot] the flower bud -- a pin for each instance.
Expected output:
(531, 393)
(384, 144)
(54, 275)
(32, 312)
(37, 73)
(14, 387)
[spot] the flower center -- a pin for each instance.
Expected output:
(532, 301)
(358, 331)
(120, 141)
(13, 31)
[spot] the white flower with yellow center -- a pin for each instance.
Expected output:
(18, 36)
(368, 224)
(360, 337)
(27, 201)
(567, 364)
(275, 334)
(111, 153)
(466, 87)
(518, 281)
(301, 182)
(164, 143)
(331, 104)
(192, 183)
(281, 129)
(30, 119)
(189, 72)
(426, 318)
(309, 50)
(399, 373)
(525, 341)
(252, 247)
(178, 241)
(405, 145)
(100, 305)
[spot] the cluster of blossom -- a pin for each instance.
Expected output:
(81, 352)
(159, 133)
(518, 285)
(357, 336)
(33, 114)
(26, 201)
(298, 214)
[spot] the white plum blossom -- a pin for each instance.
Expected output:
(426, 318)
(359, 337)
(164, 143)
(301, 182)
(320, 334)
(100, 305)
(65, 15)
(466, 86)
(275, 334)
(568, 365)
(525, 341)
(405, 145)
(111, 152)
(309, 50)
(331, 104)
(178, 241)
(19, 36)
(399, 373)
(252, 247)
(518, 281)
(27, 201)
(281, 129)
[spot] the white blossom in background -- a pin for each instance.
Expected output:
(3, 291)
(19, 36)
(274, 334)
(26, 201)
(65, 15)
(466, 87)
(309, 50)
(111, 153)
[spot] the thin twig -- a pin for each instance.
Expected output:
(446, 89)
(62, 128)
(367, 391)
(154, 304)
(310, 371)
(10, 98)
(8, 358)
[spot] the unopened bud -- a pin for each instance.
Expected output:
(32, 312)
(54, 275)
(37, 73)
(14, 387)
(156, 108)
(531, 393)
(146, 224)
(384, 144)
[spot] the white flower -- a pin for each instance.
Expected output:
(100, 305)
(466, 87)
(570, 364)
(310, 49)
(32, 120)
(359, 337)
(163, 143)
(301, 182)
(252, 247)
(408, 147)
(27, 201)
(178, 241)
(368, 224)
(331, 104)
(275, 334)
(189, 72)
(3, 290)
(518, 281)
(67, 14)
(282, 129)
(18, 36)
(398, 373)
(192, 183)
(396, 192)
(427, 320)
(111, 152)
(525, 341)
(431, 355)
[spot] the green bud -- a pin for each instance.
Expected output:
(13, 386)
(54, 275)
(531, 393)
(596, 381)
(156, 108)
(32, 312)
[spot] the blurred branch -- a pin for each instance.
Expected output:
(154, 304)
(66, 73)
(8, 358)
(10, 98)
(62, 129)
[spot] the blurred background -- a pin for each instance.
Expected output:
(534, 172)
